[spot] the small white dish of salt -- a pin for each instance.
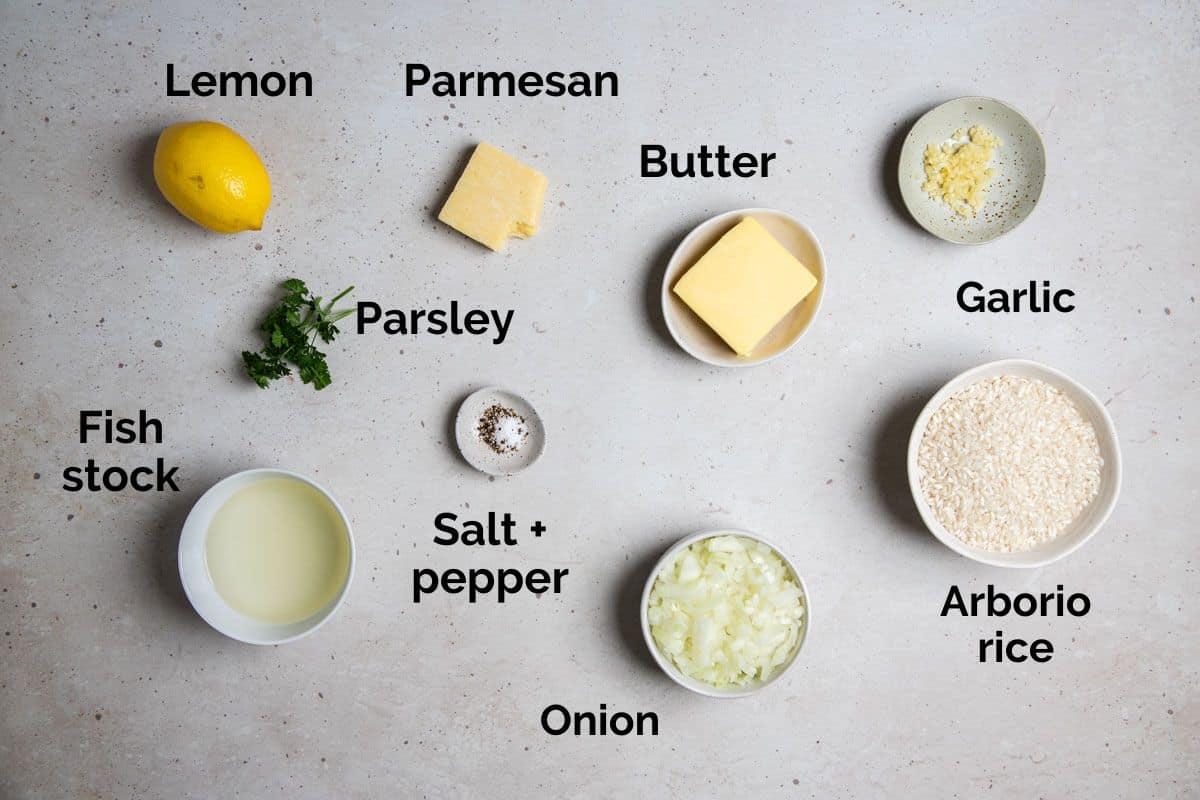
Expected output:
(498, 432)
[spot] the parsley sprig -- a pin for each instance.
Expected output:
(292, 329)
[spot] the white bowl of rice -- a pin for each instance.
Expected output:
(1014, 464)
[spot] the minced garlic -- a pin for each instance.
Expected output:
(957, 172)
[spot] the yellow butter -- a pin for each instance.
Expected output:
(744, 285)
(496, 197)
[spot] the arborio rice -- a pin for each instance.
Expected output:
(1007, 463)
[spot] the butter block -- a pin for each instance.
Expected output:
(496, 197)
(744, 285)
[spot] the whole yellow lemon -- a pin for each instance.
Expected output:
(212, 176)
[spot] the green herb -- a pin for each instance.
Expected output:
(291, 331)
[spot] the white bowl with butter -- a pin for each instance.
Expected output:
(266, 556)
(744, 324)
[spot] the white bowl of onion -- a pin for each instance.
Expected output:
(724, 613)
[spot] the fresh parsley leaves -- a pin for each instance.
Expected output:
(291, 329)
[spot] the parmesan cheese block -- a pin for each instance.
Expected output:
(744, 285)
(496, 197)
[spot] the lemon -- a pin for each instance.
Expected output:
(212, 176)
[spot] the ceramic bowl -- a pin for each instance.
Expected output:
(694, 336)
(1020, 170)
(198, 584)
(670, 669)
(1084, 526)
(473, 448)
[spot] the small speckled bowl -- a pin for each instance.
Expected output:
(1084, 526)
(477, 453)
(700, 687)
(1020, 170)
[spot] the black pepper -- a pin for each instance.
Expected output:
(501, 441)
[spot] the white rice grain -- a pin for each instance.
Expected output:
(1008, 463)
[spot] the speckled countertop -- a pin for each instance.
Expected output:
(111, 686)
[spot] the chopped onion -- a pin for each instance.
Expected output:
(726, 610)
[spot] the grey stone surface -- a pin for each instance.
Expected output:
(110, 686)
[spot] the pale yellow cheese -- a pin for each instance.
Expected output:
(744, 285)
(496, 197)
